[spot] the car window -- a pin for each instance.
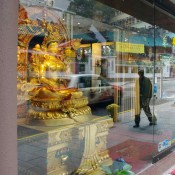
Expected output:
(88, 81)
(104, 81)
(84, 82)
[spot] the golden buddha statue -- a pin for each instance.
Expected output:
(52, 99)
(21, 75)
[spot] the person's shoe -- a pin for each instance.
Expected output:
(136, 126)
(150, 124)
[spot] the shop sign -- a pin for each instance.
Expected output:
(163, 145)
(165, 56)
(129, 47)
(173, 41)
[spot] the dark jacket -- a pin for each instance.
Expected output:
(146, 88)
(146, 93)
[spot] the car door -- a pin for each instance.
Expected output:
(93, 88)
(90, 87)
(107, 91)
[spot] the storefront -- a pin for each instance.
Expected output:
(77, 91)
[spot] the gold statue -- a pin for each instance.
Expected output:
(52, 99)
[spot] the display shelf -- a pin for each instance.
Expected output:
(62, 150)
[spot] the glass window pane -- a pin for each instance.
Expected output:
(80, 89)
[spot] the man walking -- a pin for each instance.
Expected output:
(145, 94)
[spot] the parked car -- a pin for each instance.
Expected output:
(96, 88)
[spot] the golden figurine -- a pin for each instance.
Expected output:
(52, 99)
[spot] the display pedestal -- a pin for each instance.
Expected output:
(79, 148)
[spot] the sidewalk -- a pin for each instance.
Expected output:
(123, 132)
(170, 171)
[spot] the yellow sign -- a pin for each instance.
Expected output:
(173, 41)
(129, 47)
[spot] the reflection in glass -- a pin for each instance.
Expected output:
(74, 59)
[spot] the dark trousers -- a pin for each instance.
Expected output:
(146, 109)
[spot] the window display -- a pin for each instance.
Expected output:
(77, 68)
(49, 61)
(57, 100)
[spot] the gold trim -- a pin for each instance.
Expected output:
(45, 115)
(76, 103)
(60, 122)
(46, 105)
